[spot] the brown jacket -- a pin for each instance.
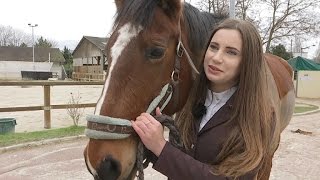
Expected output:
(177, 165)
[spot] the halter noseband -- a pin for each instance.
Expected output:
(105, 127)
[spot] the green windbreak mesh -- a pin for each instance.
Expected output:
(300, 63)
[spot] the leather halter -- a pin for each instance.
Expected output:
(104, 127)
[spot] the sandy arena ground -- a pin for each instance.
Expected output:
(297, 158)
(12, 96)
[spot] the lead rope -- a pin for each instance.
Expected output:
(166, 93)
(145, 156)
(174, 138)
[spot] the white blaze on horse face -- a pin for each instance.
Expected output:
(126, 33)
(91, 169)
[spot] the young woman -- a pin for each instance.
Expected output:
(227, 123)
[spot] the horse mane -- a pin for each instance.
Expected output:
(198, 24)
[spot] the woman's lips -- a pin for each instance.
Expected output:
(214, 69)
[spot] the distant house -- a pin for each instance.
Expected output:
(17, 61)
(89, 59)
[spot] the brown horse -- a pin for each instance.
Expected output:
(149, 57)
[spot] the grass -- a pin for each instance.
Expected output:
(301, 108)
(18, 138)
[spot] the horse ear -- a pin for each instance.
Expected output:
(171, 7)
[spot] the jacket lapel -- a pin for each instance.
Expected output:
(220, 117)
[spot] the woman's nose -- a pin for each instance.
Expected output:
(218, 56)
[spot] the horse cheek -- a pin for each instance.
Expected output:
(127, 156)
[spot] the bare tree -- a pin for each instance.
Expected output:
(242, 7)
(13, 37)
(288, 18)
(317, 58)
(222, 7)
(297, 44)
(277, 20)
(5, 33)
(214, 6)
(19, 37)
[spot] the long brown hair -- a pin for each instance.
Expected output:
(249, 140)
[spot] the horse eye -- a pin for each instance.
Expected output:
(155, 53)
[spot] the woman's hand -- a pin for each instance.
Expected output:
(150, 132)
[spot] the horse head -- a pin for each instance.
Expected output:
(148, 62)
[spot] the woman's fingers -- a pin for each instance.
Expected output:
(150, 131)
(158, 112)
(141, 126)
(138, 130)
(143, 119)
(150, 118)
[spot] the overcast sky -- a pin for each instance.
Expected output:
(65, 20)
(59, 19)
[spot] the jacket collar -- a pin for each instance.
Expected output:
(220, 117)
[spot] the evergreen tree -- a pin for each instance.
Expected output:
(67, 55)
(281, 51)
(23, 45)
(43, 43)
(68, 64)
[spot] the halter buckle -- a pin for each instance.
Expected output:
(180, 49)
(175, 76)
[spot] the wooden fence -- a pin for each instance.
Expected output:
(47, 106)
(87, 76)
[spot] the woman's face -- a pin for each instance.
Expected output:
(223, 58)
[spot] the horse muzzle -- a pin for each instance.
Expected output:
(109, 169)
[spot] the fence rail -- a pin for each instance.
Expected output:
(87, 76)
(47, 106)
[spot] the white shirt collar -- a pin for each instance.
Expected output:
(214, 102)
(214, 97)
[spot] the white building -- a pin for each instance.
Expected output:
(17, 63)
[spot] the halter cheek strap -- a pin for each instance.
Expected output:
(180, 50)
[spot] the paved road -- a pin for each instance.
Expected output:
(298, 157)
(62, 161)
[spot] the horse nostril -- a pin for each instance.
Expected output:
(109, 169)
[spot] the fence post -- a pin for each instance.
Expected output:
(47, 107)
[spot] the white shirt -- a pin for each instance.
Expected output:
(214, 102)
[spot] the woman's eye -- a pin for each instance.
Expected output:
(213, 47)
(155, 53)
(232, 53)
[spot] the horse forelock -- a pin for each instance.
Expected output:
(198, 24)
(125, 34)
(139, 13)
